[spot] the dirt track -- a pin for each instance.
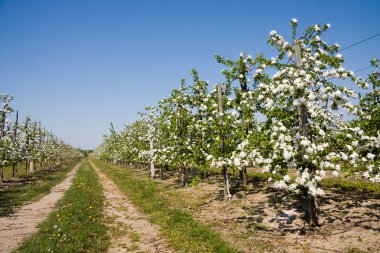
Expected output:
(23, 223)
(130, 230)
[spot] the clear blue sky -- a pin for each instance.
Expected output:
(78, 65)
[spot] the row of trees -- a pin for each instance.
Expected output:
(29, 143)
(285, 112)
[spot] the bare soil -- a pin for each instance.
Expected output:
(24, 221)
(130, 229)
(261, 219)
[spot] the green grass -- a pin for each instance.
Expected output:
(351, 185)
(355, 250)
(77, 224)
(179, 228)
(8, 170)
(20, 170)
(31, 188)
(339, 183)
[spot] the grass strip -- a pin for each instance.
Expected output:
(351, 185)
(32, 188)
(179, 228)
(336, 183)
(21, 173)
(77, 224)
(340, 183)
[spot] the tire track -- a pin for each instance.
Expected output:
(24, 222)
(137, 233)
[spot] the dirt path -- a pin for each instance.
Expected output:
(23, 223)
(130, 230)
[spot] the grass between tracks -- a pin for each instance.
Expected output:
(77, 224)
(178, 227)
(31, 187)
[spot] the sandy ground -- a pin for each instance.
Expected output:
(264, 220)
(130, 229)
(24, 221)
(276, 219)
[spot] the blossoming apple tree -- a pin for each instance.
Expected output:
(301, 102)
(303, 98)
(28, 142)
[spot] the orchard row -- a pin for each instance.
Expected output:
(299, 110)
(28, 143)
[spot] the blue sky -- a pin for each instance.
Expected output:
(78, 65)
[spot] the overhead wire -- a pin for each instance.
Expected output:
(356, 71)
(359, 42)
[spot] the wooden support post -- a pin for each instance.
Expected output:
(27, 145)
(152, 169)
(302, 110)
(15, 141)
(2, 134)
(226, 187)
(31, 166)
(312, 208)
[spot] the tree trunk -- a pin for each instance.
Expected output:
(26, 167)
(245, 177)
(163, 170)
(311, 209)
(184, 176)
(204, 174)
(2, 174)
(192, 172)
(14, 170)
